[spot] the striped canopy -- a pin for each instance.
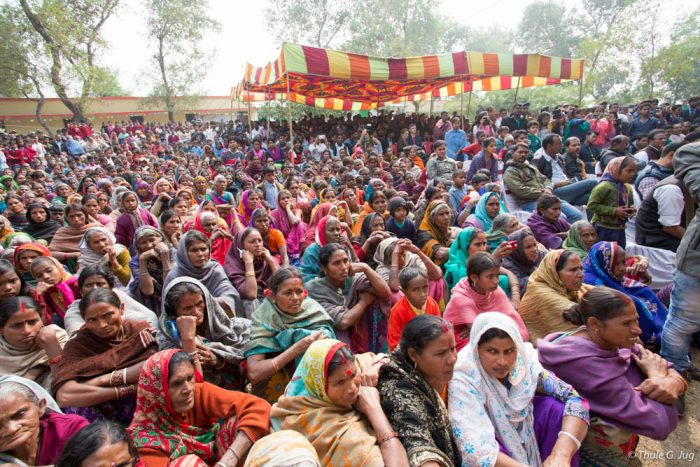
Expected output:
(347, 81)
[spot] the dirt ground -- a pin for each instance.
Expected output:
(682, 448)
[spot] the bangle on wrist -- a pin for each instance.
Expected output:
(387, 437)
(571, 437)
(275, 365)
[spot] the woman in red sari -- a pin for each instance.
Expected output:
(218, 235)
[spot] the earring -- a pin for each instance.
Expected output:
(415, 365)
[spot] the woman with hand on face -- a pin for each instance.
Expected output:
(249, 266)
(282, 328)
(631, 390)
(525, 258)
(373, 231)
(33, 430)
(343, 419)
(413, 390)
(555, 286)
(27, 347)
(498, 386)
(92, 206)
(192, 320)
(288, 220)
(98, 370)
(435, 234)
(150, 267)
(549, 229)
(55, 286)
(273, 240)
(350, 292)
(183, 421)
(98, 246)
(171, 227)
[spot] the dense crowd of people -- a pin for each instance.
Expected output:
(383, 290)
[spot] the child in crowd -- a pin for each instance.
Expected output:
(416, 301)
(398, 222)
(533, 130)
(459, 188)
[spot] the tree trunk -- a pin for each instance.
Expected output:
(167, 92)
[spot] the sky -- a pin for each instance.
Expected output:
(243, 36)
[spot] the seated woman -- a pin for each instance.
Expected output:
(376, 202)
(93, 277)
(329, 230)
(65, 243)
(343, 420)
(525, 258)
(34, 428)
(324, 209)
(249, 266)
(413, 386)
(250, 201)
(215, 229)
(39, 223)
(606, 264)
(98, 246)
(631, 391)
(57, 288)
(348, 292)
(181, 420)
(496, 384)
(284, 448)
(132, 217)
(327, 195)
(288, 220)
(99, 444)
(15, 212)
(372, 232)
(282, 328)
(349, 195)
(92, 206)
(98, 370)
(171, 227)
(394, 254)
(468, 242)
(582, 236)
(549, 229)
(27, 347)
(273, 240)
(193, 260)
(489, 206)
(476, 294)
(555, 286)
(150, 266)
(503, 225)
(192, 320)
(436, 233)
(13, 283)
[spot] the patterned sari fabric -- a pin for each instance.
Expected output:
(430, 237)
(283, 448)
(598, 270)
(574, 242)
(155, 425)
(340, 435)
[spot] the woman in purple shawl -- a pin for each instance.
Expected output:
(545, 223)
(288, 221)
(132, 218)
(222, 199)
(631, 391)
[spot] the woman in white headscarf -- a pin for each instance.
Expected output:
(99, 247)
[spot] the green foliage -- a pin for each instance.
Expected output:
(278, 111)
(320, 23)
(177, 28)
(107, 83)
(547, 27)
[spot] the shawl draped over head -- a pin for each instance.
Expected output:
(40, 392)
(466, 304)
(574, 242)
(235, 267)
(324, 209)
(40, 249)
(154, 267)
(273, 331)
(88, 257)
(547, 298)
(429, 235)
(87, 355)
(211, 275)
(598, 270)
(221, 244)
(244, 211)
(44, 230)
(412, 260)
(293, 234)
(62, 293)
(456, 266)
(503, 413)
(7, 228)
(16, 361)
(341, 436)
(496, 234)
(417, 413)
(225, 336)
(67, 239)
(480, 210)
(280, 449)
(517, 262)
(156, 426)
(612, 175)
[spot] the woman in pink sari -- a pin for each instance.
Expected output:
(288, 221)
(479, 293)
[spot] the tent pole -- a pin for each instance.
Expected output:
(289, 110)
(469, 105)
(461, 107)
(580, 91)
(269, 114)
(250, 118)
(517, 88)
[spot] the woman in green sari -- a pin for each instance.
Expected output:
(582, 236)
(282, 328)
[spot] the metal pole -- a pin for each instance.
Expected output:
(269, 114)
(250, 120)
(289, 109)
(580, 91)
(517, 88)
(469, 104)
(461, 106)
